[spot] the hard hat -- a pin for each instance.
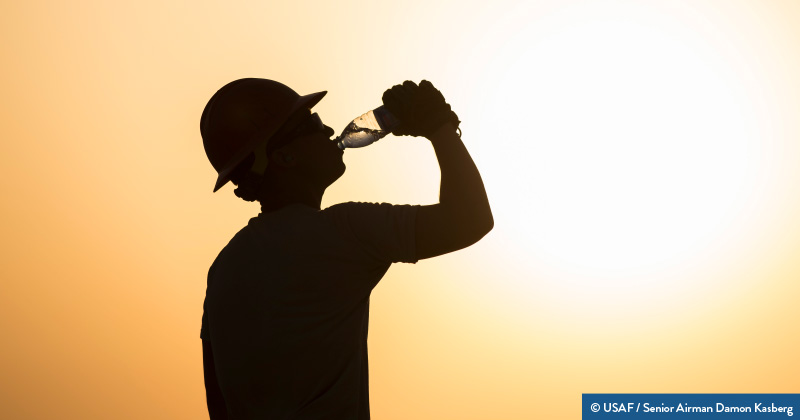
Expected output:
(242, 116)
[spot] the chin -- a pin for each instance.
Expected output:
(334, 175)
(341, 172)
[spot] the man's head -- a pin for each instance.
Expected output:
(257, 128)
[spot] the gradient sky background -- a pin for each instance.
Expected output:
(641, 159)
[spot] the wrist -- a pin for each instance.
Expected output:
(444, 132)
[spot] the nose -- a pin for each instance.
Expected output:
(329, 131)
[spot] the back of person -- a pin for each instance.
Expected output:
(287, 308)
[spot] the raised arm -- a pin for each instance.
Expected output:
(462, 216)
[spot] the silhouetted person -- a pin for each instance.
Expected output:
(286, 312)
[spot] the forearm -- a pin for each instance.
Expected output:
(461, 190)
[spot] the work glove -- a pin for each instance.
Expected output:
(421, 109)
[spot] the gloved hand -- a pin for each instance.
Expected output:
(420, 109)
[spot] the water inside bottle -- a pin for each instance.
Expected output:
(356, 136)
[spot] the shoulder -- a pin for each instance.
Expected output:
(364, 211)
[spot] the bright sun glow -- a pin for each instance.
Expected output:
(626, 148)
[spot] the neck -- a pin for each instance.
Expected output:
(282, 195)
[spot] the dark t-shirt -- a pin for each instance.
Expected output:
(287, 308)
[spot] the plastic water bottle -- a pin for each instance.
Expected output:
(367, 129)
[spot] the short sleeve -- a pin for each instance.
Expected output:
(385, 231)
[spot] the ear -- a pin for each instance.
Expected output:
(282, 158)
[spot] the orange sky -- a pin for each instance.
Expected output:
(641, 161)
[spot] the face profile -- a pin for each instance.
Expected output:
(309, 152)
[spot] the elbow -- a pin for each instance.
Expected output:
(487, 224)
(481, 227)
(486, 220)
